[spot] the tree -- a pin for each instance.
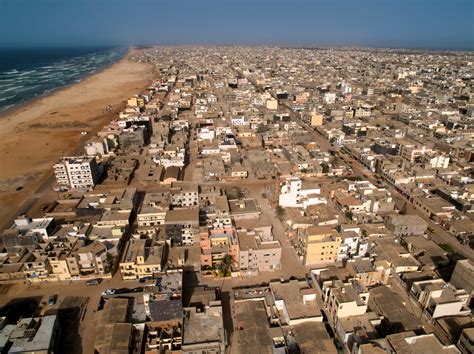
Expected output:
(226, 264)
(109, 263)
(325, 167)
(280, 212)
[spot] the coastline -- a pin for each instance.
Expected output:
(36, 133)
(22, 105)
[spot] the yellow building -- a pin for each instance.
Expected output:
(58, 269)
(136, 101)
(133, 101)
(316, 119)
(272, 104)
(318, 245)
(143, 258)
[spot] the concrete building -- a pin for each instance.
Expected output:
(318, 245)
(182, 226)
(409, 342)
(42, 227)
(439, 299)
(295, 302)
(257, 254)
(272, 104)
(330, 97)
(411, 152)
(152, 212)
(143, 258)
(466, 341)
(203, 331)
(184, 194)
(79, 172)
(217, 243)
(30, 335)
(316, 119)
(463, 276)
(406, 225)
(344, 299)
(293, 195)
(88, 260)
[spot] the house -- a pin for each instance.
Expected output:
(203, 331)
(318, 245)
(142, 258)
(406, 225)
(295, 302)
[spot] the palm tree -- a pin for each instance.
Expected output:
(226, 264)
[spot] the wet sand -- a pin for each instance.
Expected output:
(36, 134)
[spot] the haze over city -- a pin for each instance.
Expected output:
(435, 24)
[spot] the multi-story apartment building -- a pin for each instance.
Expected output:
(318, 245)
(293, 195)
(142, 258)
(439, 299)
(344, 299)
(411, 152)
(466, 341)
(463, 276)
(152, 212)
(203, 331)
(182, 226)
(257, 254)
(79, 172)
(216, 244)
(184, 194)
(88, 260)
(406, 225)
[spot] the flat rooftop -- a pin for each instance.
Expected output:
(203, 327)
(252, 333)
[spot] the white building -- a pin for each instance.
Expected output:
(345, 88)
(206, 133)
(440, 299)
(77, 172)
(352, 244)
(292, 195)
(330, 97)
(238, 121)
(439, 161)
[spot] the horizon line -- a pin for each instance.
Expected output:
(263, 44)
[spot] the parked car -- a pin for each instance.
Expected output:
(108, 292)
(144, 279)
(96, 281)
(44, 207)
(52, 299)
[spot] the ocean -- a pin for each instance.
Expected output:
(27, 73)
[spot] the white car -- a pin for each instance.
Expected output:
(108, 292)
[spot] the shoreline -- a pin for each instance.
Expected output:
(18, 107)
(35, 134)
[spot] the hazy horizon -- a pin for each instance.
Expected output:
(415, 24)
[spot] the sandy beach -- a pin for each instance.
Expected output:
(35, 135)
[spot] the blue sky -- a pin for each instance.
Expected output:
(443, 24)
